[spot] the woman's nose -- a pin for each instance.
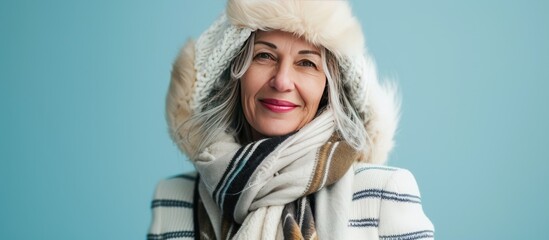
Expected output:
(283, 79)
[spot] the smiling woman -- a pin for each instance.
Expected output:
(284, 119)
(282, 87)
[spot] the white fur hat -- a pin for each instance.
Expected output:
(324, 23)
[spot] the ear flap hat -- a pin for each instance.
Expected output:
(330, 24)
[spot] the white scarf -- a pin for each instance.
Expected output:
(252, 184)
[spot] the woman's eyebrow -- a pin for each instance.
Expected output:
(271, 45)
(266, 43)
(309, 52)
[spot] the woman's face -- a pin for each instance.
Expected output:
(282, 88)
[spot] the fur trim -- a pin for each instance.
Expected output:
(378, 103)
(382, 121)
(178, 100)
(329, 24)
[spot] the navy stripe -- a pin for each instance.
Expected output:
(170, 235)
(374, 168)
(240, 163)
(232, 194)
(223, 180)
(185, 176)
(366, 222)
(386, 195)
(170, 203)
(410, 236)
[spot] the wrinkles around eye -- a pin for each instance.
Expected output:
(307, 63)
(264, 56)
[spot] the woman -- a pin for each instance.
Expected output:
(282, 115)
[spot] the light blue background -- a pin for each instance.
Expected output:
(83, 138)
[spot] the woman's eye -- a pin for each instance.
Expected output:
(263, 56)
(307, 63)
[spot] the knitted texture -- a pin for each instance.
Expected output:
(214, 51)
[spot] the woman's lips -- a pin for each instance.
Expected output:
(278, 106)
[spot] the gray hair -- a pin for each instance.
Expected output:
(222, 113)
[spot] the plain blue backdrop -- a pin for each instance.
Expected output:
(83, 139)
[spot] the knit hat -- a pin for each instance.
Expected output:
(330, 24)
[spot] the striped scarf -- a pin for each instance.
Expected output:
(259, 191)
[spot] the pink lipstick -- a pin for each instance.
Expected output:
(278, 106)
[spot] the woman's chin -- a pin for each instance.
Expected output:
(273, 132)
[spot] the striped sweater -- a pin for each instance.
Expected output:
(385, 204)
